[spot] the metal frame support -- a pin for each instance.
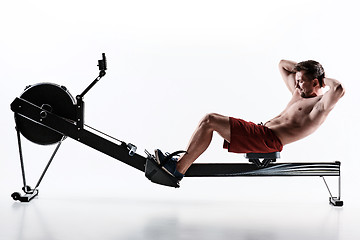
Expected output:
(30, 193)
(336, 201)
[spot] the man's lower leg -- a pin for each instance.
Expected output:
(199, 142)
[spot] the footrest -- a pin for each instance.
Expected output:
(156, 174)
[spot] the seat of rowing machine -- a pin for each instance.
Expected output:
(273, 155)
(267, 158)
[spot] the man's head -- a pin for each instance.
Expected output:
(309, 77)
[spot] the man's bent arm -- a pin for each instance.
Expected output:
(286, 68)
(332, 96)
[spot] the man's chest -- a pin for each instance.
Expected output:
(299, 106)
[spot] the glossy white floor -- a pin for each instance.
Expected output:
(117, 216)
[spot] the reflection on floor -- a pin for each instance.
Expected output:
(101, 218)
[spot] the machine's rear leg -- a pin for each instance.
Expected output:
(335, 201)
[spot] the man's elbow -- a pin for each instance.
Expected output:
(339, 90)
(282, 63)
(287, 65)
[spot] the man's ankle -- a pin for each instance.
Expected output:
(178, 175)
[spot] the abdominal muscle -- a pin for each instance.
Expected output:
(288, 133)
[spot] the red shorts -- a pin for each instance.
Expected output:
(248, 137)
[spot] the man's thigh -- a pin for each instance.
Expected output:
(221, 125)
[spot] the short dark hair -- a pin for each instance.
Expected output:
(313, 69)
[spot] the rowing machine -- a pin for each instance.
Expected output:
(46, 114)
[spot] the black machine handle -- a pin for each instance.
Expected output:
(102, 64)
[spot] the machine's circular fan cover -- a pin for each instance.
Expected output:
(53, 98)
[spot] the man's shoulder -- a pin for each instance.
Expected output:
(296, 95)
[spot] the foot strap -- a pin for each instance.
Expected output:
(170, 156)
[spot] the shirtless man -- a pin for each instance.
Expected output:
(306, 111)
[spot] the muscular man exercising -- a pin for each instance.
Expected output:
(306, 111)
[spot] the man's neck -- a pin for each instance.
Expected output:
(316, 93)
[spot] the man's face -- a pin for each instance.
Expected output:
(304, 84)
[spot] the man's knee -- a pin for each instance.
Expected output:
(218, 123)
(210, 120)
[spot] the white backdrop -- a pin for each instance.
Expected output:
(169, 63)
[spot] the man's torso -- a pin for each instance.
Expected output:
(301, 117)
